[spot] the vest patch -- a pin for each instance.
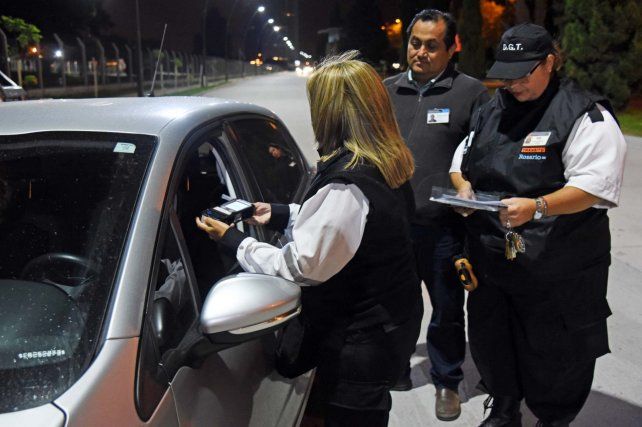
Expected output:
(531, 157)
(533, 149)
(536, 139)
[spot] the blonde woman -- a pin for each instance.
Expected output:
(350, 247)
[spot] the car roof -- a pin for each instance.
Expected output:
(147, 116)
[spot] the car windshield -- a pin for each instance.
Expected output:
(66, 203)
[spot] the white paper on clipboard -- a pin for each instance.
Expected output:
(482, 201)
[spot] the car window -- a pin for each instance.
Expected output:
(205, 183)
(272, 158)
(66, 202)
(171, 313)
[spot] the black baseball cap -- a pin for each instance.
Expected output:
(519, 50)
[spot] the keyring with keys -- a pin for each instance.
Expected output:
(514, 243)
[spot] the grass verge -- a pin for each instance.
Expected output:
(195, 90)
(631, 121)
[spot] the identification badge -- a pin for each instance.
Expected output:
(438, 115)
(536, 139)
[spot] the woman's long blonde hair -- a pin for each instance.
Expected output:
(351, 108)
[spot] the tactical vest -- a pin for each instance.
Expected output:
(379, 286)
(516, 151)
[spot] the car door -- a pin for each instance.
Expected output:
(237, 386)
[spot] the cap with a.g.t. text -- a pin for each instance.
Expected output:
(519, 50)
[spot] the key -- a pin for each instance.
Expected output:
(511, 252)
(518, 243)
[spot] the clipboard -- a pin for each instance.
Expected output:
(483, 201)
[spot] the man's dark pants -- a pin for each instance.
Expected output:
(435, 247)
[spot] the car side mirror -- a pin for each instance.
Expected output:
(245, 306)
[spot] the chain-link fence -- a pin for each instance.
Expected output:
(95, 67)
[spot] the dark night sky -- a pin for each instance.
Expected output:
(184, 18)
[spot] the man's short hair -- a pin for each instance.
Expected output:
(435, 15)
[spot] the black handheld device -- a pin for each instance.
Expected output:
(230, 212)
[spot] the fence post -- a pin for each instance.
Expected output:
(130, 63)
(83, 58)
(41, 84)
(152, 62)
(4, 53)
(94, 66)
(117, 52)
(61, 46)
(175, 68)
(103, 68)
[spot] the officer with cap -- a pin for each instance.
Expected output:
(555, 155)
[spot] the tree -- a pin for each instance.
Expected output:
(603, 43)
(65, 17)
(24, 32)
(471, 58)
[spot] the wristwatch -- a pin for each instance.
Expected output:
(540, 208)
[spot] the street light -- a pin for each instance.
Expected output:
(227, 26)
(275, 30)
(259, 9)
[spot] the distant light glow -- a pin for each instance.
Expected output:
(270, 21)
(277, 28)
(297, 63)
(396, 65)
(285, 39)
(58, 53)
(260, 9)
(398, 21)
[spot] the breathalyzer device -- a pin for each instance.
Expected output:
(230, 212)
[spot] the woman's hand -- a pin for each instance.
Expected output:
(465, 191)
(215, 229)
(519, 211)
(262, 214)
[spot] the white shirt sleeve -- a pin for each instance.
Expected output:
(594, 158)
(326, 233)
(294, 212)
(455, 165)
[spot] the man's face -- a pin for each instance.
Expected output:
(427, 52)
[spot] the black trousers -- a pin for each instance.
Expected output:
(358, 368)
(538, 339)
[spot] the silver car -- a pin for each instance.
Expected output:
(114, 309)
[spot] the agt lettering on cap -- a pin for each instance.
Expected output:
(512, 46)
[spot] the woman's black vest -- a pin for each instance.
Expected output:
(379, 286)
(516, 151)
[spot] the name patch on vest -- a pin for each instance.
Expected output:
(438, 115)
(531, 157)
(536, 139)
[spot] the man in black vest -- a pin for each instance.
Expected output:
(433, 103)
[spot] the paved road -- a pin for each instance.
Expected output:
(616, 399)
